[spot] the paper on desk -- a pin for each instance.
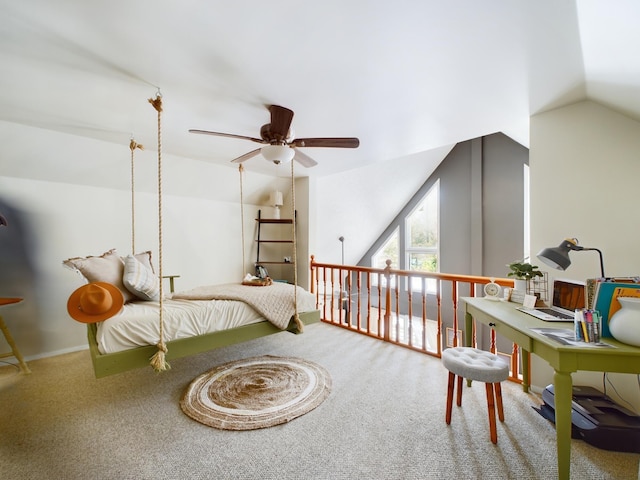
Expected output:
(567, 336)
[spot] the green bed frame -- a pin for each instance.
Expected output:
(118, 362)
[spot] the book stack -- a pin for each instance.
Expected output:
(603, 294)
(587, 325)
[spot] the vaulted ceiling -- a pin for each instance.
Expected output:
(404, 77)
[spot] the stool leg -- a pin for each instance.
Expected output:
(492, 413)
(14, 348)
(498, 390)
(450, 397)
(459, 397)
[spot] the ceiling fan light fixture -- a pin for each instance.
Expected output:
(278, 153)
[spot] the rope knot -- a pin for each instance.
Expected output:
(156, 102)
(133, 145)
(158, 360)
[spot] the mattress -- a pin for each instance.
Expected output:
(138, 323)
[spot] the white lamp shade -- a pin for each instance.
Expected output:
(278, 153)
(276, 199)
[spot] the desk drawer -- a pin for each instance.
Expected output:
(512, 334)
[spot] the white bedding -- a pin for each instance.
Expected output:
(276, 302)
(137, 324)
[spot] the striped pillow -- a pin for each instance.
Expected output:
(140, 280)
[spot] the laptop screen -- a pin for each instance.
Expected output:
(568, 295)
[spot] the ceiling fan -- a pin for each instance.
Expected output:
(279, 144)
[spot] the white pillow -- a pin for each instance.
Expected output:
(145, 258)
(140, 279)
(108, 268)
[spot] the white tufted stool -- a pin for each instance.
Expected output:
(479, 365)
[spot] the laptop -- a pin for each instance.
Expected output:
(567, 296)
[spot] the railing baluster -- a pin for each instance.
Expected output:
(408, 327)
(474, 339)
(387, 303)
(454, 301)
(439, 310)
(397, 309)
(380, 330)
(338, 298)
(358, 293)
(368, 302)
(515, 367)
(424, 313)
(390, 306)
(324, 293)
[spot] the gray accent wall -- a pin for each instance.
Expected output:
(481, 217)
(481, 207)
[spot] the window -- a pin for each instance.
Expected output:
(390, 250)
(422, 227)
(421, 248)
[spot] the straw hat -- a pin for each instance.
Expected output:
(95, 302)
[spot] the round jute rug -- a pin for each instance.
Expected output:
(256, 392)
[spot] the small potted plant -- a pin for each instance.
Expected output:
(523, 272)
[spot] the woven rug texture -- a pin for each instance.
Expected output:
(256, 392)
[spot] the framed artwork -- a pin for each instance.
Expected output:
(449, 334)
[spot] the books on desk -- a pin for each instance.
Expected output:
(604, 297)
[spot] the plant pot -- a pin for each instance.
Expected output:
(520, 284)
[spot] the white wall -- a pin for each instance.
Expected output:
(202, 231)
(359, 204)
(201, 243)
(585, 169)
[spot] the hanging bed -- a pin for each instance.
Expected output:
(194, 321)
(122, 361)
(191, 326)
(142, 326)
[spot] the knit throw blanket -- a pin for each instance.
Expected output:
(274, 302)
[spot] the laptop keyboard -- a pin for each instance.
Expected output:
(550, 311)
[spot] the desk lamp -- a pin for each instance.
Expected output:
(558, 257)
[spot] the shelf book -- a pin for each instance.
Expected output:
(606, 302)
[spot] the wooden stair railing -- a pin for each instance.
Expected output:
(405, 308)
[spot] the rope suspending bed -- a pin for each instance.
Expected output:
(158, 360)
(158, 355)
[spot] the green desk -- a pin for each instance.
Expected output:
(516, 326)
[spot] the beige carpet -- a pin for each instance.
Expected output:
(384, 420)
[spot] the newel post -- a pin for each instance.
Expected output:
(387, 301)
(312, 276)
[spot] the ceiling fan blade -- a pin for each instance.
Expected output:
(350, 142)
(304, 159)
(281, 119)
(246, 156)
(229, 135)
